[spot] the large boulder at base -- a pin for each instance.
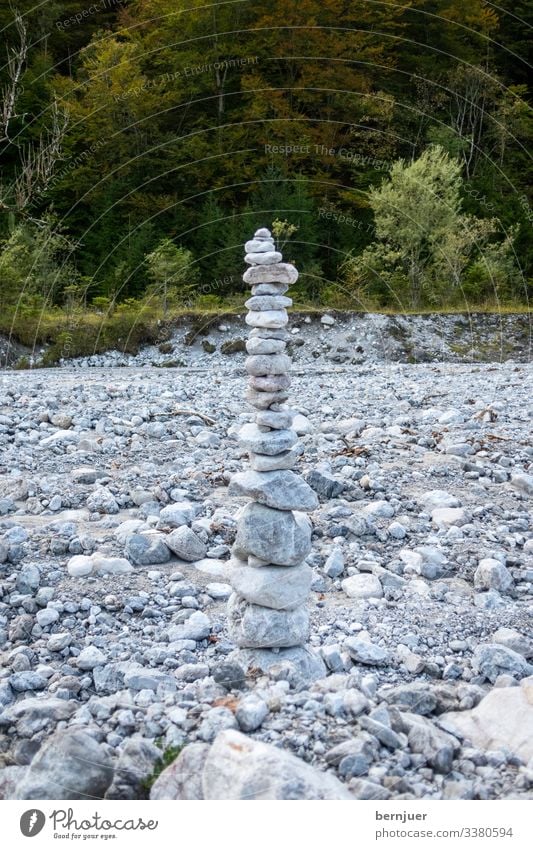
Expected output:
(183, 778)
(70, 765)
(503, 719)
(305, 662)
(136, 763)
(240, 768)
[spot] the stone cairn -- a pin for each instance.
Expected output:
(268, 617)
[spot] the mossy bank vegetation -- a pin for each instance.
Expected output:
(142, 145)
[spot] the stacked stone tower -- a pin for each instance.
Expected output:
(268, 617)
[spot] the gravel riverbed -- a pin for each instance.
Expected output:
(115, 535)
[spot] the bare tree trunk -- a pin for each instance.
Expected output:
(16, 59)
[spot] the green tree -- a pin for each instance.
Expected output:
(35, 261)
(424, 242)
(172, 271)
(413, 210)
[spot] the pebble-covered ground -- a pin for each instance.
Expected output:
(115, 534)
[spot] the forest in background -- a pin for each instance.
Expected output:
(142, 142)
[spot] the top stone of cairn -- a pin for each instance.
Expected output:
(267, 266)
(261, 249)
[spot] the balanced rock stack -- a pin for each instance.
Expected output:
(268, 617)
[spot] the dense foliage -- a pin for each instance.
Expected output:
(147, 139)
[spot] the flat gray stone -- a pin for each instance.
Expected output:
(445, 517)
(229, 675)
(283, 489)
(216, 719)
(266, 258)
(269, 333)
(84, 474)
(281, 272)
(266, 364)
(270, 289)
(415, 697)
(264, 400)
(104, 565)
(259, 246)
(287, 460)
(265, 346)
(260, 303)
(436, 498)
(253, 626)
(27, 681)
(436, 745)
(266, 442)
(278, 420)
(80, 565)
(277, 587)
(325, 485)
(279, 537)
(268, 319)
(334, 565)
(270, 383)
(514, 640)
